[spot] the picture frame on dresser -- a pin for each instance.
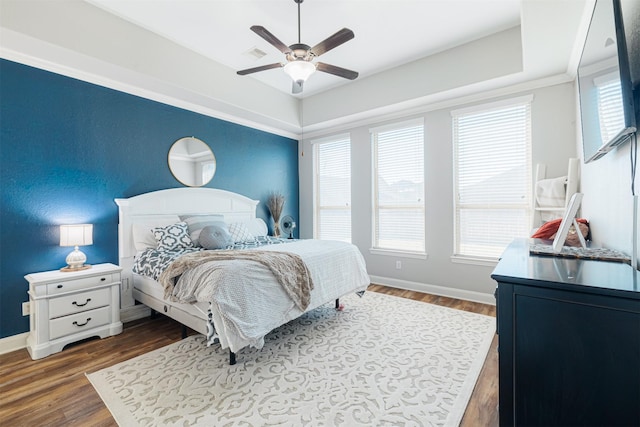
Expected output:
(568, 220)
(67, 307)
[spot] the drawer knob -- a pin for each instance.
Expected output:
(102, 279)
(82, 324)
(59, 286)
(81, 305)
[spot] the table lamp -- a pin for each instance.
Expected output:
(76, 235)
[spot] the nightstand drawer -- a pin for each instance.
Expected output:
(78, 322)
(76, 303)
(80, 283)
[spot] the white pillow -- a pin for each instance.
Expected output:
(240, 232)
(197, 222)
(257, 227)
(143, 236)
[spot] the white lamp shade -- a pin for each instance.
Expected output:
(299, 70)
(76, 235)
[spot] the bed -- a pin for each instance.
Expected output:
(236, 301)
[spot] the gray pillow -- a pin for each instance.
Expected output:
(215, 237)
(197, 222)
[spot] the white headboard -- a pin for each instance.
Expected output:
(175, 201)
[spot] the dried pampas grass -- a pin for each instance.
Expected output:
(275, 203)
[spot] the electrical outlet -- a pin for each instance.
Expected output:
(26, 308)
(398, 265)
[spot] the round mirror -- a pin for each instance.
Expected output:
(192, 162)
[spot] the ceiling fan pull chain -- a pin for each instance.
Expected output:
(299, 38)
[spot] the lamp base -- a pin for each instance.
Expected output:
(69, 269)
(76, 261)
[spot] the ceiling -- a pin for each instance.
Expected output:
(411, 54)
(388, 33)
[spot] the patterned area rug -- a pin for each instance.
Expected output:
(384, 360)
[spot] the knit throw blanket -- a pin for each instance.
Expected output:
(289, 270)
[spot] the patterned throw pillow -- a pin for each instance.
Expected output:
(215, 237)
(240, 232)
(173, 237)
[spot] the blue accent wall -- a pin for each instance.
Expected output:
(68, 148)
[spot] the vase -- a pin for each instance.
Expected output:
(276, 228)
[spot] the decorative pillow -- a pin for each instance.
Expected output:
(257, 227)
(572, 236)
(143, 232)
(240, 232)
(549, 229)
(173, 237)
(197, 222)
(215, 237)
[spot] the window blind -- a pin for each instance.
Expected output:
(398, 153)
(610, 107)
(332, 219)
(492, 172)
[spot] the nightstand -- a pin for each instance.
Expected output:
(68, 307)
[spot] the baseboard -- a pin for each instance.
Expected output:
(435, 290)
(13, 343)
(134, 312)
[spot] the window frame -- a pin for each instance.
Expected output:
(317, 206)
(527, 204)
(373, 135)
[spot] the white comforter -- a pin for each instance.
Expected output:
(247, 302)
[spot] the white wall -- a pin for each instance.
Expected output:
(553, 137)
(606, 183)
(607, 202)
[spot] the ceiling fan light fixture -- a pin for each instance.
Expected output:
(299, 56)
(299, 70)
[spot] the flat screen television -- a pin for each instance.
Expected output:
(604, 83)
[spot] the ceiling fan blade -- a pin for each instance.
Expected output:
(260, 68)
(297, 87)
(342, 36)
(265, 34)
(336, 71)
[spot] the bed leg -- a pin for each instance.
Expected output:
(232, 358)
(184, 331)
(154, 314)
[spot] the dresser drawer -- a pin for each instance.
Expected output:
(79, 322)
(75, 303)
(80, 283)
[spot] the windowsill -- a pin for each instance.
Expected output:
(485, 262)
(395, 253)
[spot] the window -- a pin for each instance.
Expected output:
(610, 105)
(398, 196)
(492, 152)
(332, 216)
(208, 170)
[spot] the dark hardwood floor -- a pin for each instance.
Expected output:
(54, 391)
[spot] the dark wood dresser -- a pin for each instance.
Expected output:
(569, 340)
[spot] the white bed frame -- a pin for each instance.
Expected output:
(156, 205)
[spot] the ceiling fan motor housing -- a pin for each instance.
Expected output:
(300, 51)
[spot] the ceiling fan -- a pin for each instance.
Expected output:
(299, 65)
